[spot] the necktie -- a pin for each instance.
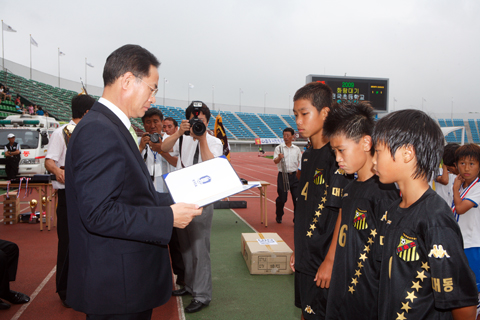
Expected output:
(134, 135)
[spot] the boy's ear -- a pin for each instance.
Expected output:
(408, 153)
(325, 111)
(367, 143)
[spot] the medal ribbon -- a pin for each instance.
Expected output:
(462, 196)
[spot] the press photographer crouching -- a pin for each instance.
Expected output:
(195, 147)
(150, 146)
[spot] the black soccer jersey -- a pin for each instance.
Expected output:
(320, 197)
(353, 290)
(424, 270)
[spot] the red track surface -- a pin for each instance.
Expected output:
(36, 276)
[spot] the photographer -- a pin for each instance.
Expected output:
(194, 147)
(150, 146)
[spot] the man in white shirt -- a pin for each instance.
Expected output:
(195, 238)
(157, 161)
(55, 163)
(287, 157)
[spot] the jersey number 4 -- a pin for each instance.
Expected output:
(305, 191)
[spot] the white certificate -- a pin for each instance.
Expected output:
(205, 182)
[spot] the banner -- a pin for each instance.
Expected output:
(268, 141)
(220, 133)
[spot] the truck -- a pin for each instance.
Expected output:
(32, 133)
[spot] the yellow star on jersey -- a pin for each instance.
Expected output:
(315, 220)
(411, 296)
(325, 193)
(358, 273)
(324, 199)
(384, 217)
(312, 226)
(401, 316)
(405, 306)
(359, 264)
(370, 241)
(421, 275)
(351, 289)
(321, 206)
(416, 285)
(373, 233)
(318, 213)
(354, 281)
(309, 234)
(425, 266)
(367, 248)
(363, 257)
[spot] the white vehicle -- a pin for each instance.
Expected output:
(32, 133)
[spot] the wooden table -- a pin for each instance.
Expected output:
(263, 202)
(44, 190)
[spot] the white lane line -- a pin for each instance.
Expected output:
(34, 294)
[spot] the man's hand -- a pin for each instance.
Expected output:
(184, 126)
(157, 147)
(280, 156)
(143, 142)
(324, 274)
(183, 213)
(292, 261)
(60, 176)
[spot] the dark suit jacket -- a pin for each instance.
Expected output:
(119, 225)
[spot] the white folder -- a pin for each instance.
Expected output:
(205, 182)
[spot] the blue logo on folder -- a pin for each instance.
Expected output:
(202, 180)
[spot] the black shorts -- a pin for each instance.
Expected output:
(310, 298)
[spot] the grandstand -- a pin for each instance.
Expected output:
(239, 126)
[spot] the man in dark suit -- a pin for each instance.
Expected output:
(119, 225)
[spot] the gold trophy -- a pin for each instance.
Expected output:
(44, 209)
(33, 206)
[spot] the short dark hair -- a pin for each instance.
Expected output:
(470, 150)
(412, 128)
(204, 110)
(152, 112)
(353, 120)
(319, 94)
(289, 130)
(81, 104)
(131, 58)
(175, 123)
(449, 154)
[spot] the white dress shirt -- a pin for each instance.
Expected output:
(292, 156)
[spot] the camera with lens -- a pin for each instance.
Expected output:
(155, 137)
(197, 125)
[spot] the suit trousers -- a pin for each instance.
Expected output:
(9, 253)
(63, 239)
(195, 248)
(283, 194)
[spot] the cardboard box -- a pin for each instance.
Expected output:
(266, 253)
(12, 195)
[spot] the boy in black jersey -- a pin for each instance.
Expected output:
(354, 285)
(424, 272)
(321, 187)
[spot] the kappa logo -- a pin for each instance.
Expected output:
(360, 222)
(318, 177)
(407, 248)
(340, 171)
(309, 310)
(438, 252)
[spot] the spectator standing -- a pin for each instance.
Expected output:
(12, 156)
(55, 163)
(287, 157)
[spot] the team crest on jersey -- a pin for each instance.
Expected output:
(438, 252)
(309, 310)
(318, 177)
(340, 171)
(407, 248)
(360, 222)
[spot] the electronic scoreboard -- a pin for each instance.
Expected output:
(374, 90)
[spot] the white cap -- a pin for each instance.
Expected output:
(10, 135)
